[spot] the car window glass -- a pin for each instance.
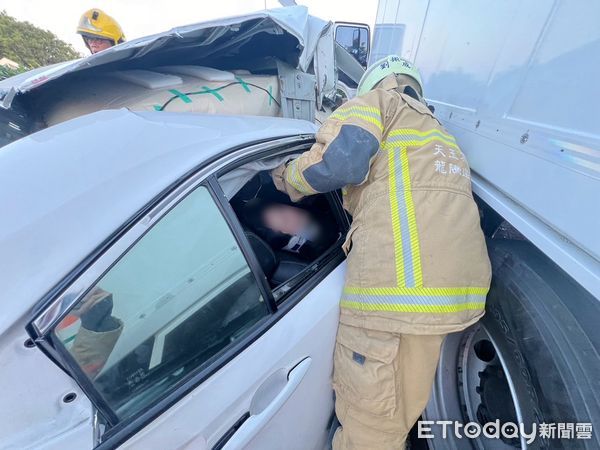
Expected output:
(354, 40)
(388, 39)
(286, 237)
(178, 297)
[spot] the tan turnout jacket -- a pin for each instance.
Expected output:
(417, 260)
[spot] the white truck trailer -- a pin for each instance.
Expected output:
(517, 84)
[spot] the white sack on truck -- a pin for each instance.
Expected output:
(172, 88)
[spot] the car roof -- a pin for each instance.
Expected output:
(65, 189)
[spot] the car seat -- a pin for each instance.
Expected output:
(277, 267)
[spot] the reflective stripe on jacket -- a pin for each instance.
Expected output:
(417, 260)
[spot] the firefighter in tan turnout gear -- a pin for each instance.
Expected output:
(417, 261)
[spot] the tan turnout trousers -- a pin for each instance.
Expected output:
(382, 383)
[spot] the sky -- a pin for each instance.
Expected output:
(143, 17)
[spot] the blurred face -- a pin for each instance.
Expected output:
(96, 44)
(286, 219)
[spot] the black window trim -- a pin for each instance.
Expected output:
(303, 282)
(121, 431)
(334, 201)
(296, 281)
(238, 233)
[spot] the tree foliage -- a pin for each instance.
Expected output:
(30, 46)
(7, 72)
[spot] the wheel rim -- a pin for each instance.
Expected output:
(474, 384)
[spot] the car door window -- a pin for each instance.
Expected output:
(177, 298)
(287, 259)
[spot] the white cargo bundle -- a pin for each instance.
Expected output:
(194, 89)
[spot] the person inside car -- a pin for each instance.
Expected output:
(289, 228)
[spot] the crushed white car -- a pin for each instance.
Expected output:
(123, 184)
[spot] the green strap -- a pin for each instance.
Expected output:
(270, 95)
(243, 83)
(208, 90)
(69, 339)
(181, 95)
(158, 108)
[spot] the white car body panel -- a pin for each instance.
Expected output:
(308, 331)
(33, 415)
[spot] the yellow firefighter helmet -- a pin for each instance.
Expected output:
(97, 24)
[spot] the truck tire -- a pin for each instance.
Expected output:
(533, 358)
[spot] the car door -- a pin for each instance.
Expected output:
(189, 348)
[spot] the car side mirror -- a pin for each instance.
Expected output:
(355, 38)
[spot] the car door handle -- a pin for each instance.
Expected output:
(265, 403)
